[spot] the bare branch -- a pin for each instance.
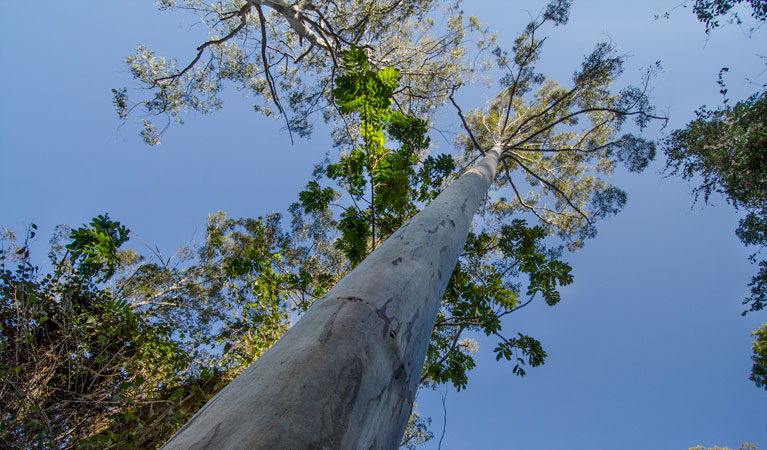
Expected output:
(531, 208)
(463, 120)
(267, 72)
(585, 111)
(549, 184)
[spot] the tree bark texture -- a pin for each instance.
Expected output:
(346, 374)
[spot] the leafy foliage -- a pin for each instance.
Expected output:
(560, 141)
(95, 247)
(72, 353)
(759, 369)
(388, 176)
(484, 288)
(417, 431)
(231, 298)
(394, 183)
(727, 149)
(286, 55)
(90, 365)
(708, 11)
(149, 424)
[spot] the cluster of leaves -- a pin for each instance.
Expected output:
(390, 182)
(95, 247)
(87, 364)
(149, 424)
(72, 353)
(709, 11)
(235, 295)
(484, 288)
(417, 431)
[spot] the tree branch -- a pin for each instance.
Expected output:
(244, 13)
(463, 121)
(519, 197)
(549, 184)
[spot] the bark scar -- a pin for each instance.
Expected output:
(441, 224)
(381, 312)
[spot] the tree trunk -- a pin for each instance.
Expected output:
(346, 374)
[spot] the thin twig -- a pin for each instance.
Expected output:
(201, 48)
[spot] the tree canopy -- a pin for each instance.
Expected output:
(726, 149)
(287, 54)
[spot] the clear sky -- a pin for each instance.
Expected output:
(647, 349)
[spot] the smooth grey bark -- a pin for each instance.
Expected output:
(346, 374)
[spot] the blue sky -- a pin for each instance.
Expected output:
(647, 349)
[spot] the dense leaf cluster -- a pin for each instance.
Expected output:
(759, 370)
(484, 288)
(390, 181)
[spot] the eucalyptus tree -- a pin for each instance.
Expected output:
(345, 375)
(376, 188)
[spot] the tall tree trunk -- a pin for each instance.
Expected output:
(346, 374)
